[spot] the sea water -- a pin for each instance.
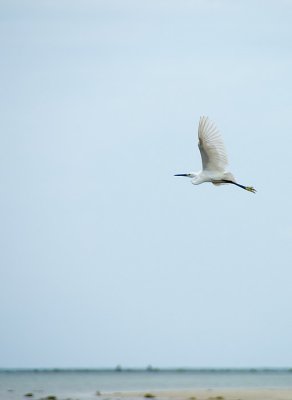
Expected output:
(85, 384)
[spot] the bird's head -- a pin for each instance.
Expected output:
(189, 175)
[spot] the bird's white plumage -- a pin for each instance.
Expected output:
(214, 156)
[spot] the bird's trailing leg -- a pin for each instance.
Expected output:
(248, 188)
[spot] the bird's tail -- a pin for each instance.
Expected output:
(228, 177)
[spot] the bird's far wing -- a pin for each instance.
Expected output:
(214, 157)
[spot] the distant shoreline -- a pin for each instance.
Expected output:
(150, 369)
(149, 383)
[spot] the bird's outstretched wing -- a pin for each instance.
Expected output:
(214, 157)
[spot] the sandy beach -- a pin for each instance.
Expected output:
(143, 384)
(207, 394)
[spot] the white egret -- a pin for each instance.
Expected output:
(214, 158)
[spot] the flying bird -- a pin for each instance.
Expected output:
(214, 158)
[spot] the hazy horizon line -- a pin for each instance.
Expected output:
(149, 368)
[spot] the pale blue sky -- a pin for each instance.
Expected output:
(106, 258)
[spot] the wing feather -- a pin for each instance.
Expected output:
(211, 146)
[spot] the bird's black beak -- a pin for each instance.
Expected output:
(181, 175)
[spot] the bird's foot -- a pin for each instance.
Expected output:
(250, 189)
